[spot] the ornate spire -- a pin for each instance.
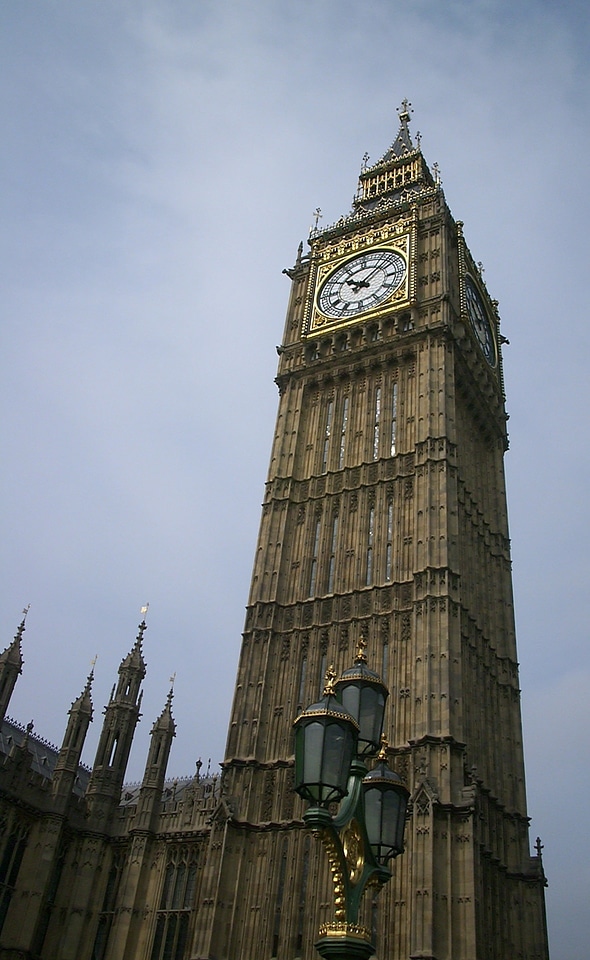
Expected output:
(164, 726)
(166, 721)
(401, 171)
(13, 652)
(84, 701)
(66, 767)
(161, 734)
(11, 665)
(402, 144)
(120, 719)
(134, 659)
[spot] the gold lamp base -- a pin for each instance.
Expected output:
(344, 941)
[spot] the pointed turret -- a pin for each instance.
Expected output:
(162, 734)
(150, 794)
(401, 169)
(402, 145)
(11, 666)
(132, 670)
(66, 767)
(121, 716)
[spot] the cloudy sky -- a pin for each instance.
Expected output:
(160, 162)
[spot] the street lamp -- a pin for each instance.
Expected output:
(333, 739)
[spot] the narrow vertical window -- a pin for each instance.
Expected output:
(389, 548)
(343, 427)
(376, 423)
(385, 667)
(177, 896)
(302, 677)
(279, 900)
(314, 559)
(333, 541)
(323, 668)
(394, 420)
(327, 435)
(370, 539)
(191, 886)
(113, 750)
(107, 914)
(51, 895)
(9, 868)
(303, 905)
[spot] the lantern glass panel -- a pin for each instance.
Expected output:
(338, 752)
(392, 802)
(371, 715)
(351, 697)
(367, 706)
(313, 749)
(324, 749)
(385, 815)
(373, 813)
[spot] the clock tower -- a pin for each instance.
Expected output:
(384, 518)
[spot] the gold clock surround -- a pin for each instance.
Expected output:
(329, 260)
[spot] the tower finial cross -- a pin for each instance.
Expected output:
(317, 214)
(405, 110)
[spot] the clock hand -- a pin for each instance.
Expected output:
(365, 282)
(372, 274)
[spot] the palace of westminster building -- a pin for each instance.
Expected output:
(384, 518)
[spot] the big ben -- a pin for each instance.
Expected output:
(384, 518)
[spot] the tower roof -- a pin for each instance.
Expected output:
(397, 179)
(13, 653)
(402, 144)
(83, 703)
(134, 659)
(401, 171)
(165, 721)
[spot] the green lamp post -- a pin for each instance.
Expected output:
(333, 740)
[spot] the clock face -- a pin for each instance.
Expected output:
(361, 284)
(479, 321)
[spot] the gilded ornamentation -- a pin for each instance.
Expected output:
(332, 852)
(349, 930)
(354, 851)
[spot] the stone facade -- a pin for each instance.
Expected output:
(384, 517)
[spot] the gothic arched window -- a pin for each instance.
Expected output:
(10, 862)
(107, 914)
(176, 900)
